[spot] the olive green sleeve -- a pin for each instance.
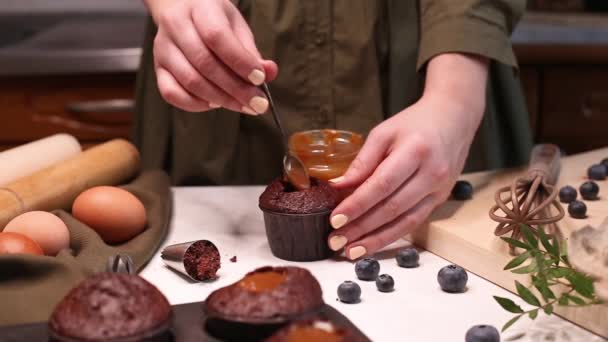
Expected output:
(481, 27)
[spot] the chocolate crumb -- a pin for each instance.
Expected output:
(202, 260)
(233, 259)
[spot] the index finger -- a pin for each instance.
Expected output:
(217, 34)
(386, 179)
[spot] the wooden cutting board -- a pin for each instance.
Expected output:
(463, 233)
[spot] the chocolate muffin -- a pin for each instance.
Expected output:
(313, 330)
(297, 222)
(262, 302)
(202, 260)
(111, 307)
(267, 294)
(282, 197)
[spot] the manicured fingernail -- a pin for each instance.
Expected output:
(259, 104)
(337, 180)
(356, 252)
(248, 110)
(338, 221)
(337, 242)
(214, 105)
(257, 77)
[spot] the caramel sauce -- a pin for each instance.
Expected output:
(326, 153)
(308, 333)
(262, 281)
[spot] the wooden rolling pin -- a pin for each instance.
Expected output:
(57, 186)
(26, 159)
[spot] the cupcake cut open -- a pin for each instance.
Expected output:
(267, 295)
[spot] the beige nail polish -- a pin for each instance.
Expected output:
(214, 105)
(338, 221)
(356, 252)
(259, 104)
(337, 180)
(248, 110)
(257, 77)
(337, 242)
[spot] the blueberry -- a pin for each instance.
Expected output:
(462, 190)
(367, 269)
(567, 194)
(605, 163)
(349, 292)
(407, 257)
(482, 333)
(589, 190)
(452, 278)
(577, 209)
(597, 172)
(385, 283)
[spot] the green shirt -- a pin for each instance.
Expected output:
(345, 64)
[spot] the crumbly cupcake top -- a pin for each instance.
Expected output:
(282, 197)
(108, 306)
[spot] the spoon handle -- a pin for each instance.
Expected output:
(275, 115)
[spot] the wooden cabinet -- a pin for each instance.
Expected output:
(567, 94)
(575, 103)
(93, 108)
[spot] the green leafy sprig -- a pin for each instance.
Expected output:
(553, 278)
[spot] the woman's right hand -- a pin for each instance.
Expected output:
(205, 57)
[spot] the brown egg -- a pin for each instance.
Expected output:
(115, 214)
(15, 243)
(45, 228)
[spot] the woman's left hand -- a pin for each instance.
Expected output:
(410, 162)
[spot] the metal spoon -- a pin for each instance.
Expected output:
(292, 165)
(120, 263)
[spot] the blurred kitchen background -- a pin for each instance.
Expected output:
(70, 65)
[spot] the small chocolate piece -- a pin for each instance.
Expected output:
(281, 197)
(233, 259)
(202, 260)
(111, 306)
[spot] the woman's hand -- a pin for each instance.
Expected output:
(205, 57)
(410, 162)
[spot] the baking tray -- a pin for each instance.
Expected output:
(188, 326)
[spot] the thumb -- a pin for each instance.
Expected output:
(271, 69)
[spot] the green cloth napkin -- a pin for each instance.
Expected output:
(31, 286)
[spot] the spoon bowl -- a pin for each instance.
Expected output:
(295, 171)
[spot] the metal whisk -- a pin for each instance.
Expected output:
(529, 199)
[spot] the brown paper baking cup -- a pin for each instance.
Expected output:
(298, 237)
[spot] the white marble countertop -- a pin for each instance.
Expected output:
(416, 311)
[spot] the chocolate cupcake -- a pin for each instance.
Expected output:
(200, 260)
(112, 307)
(297, 222)
(262, 302)
(313, 330)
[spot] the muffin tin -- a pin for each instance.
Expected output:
(188, 326)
